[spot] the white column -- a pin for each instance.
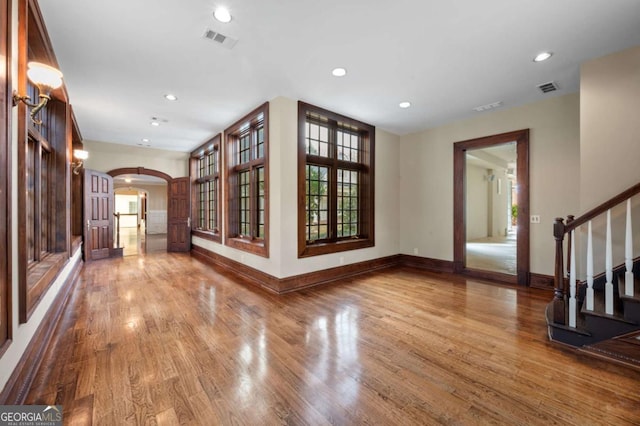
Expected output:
(628, 254)
(572, 283)
(589, 269)
(608, 287)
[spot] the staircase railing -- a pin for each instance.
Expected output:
(560, 229)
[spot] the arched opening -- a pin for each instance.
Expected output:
(141, 199)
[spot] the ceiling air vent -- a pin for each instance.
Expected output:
(221, 39)
(551, 86)
(488, 106)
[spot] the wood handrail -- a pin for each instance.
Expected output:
(602, 208)
(560, 228)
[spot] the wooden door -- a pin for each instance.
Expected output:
(179, 217)
(98, 215)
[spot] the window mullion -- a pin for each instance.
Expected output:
(37, 213)
(333, 184)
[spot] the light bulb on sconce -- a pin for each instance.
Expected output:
(46, 78)
(79, 155)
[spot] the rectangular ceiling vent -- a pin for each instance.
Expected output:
(221, 39)
(488, 106)
(551, 86)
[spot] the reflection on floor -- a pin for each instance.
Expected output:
(136, 242)
(497, 254)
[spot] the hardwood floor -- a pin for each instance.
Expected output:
(165, 339)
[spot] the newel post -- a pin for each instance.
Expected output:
(559, 290)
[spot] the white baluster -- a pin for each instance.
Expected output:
(608, 287)
(589, 269)
(628, 254)
(572, 283)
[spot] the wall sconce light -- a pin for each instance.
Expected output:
(46, 78)
(80, 155)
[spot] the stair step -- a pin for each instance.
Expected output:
(636, 289)
(624, 350)
(599, 308)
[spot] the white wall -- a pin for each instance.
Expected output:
(426, 162)
(107, 156)
(609, 148)
(609, 126)
(283, 144)
(476, 202)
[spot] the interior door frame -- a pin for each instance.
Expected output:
(521, 137)
(148, 172)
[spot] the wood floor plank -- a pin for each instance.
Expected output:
(166, 339)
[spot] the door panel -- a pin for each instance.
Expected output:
(98, 213)
(179, 220)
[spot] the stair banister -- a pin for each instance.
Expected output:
(589, 300)
(559, 288)
(560, 229)
(608, 293)
(628, 254)
(573, 314)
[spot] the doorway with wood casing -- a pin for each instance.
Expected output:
(177, 210)
(491, 156)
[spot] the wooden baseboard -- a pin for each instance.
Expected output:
(325, 276)
(542, 281)
(311, 279)
(16, 388)
(256, 277)
(296, 282)
(434, 265)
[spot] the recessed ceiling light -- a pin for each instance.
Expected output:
(155, 123)
(146, 140)
(222, 15)
(542, 56)
(339, 72)
(404, 104)
(170, 97)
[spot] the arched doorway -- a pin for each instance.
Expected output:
(171, 217)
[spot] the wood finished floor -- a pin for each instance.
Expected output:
(165, 339)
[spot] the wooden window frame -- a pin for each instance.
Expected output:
(257, 118)
(203, 180)
(5, 176)
(36, 275)
(365, 166)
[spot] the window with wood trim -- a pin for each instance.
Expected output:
(5, 172)
(43, 172)
(206, 178)
(39, 218)
(335, 182)
(247, 183)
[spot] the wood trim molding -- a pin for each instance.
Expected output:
(433, 265)
(521, 137)
(325, 276)
(259, 247)
(139, 171)
(542, 281)
(16, 388)
(5, 174)
(296, 282)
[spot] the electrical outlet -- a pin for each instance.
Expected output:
(415, 251)
(535, 218)
(342, 260)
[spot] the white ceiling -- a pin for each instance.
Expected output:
(446, 57)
